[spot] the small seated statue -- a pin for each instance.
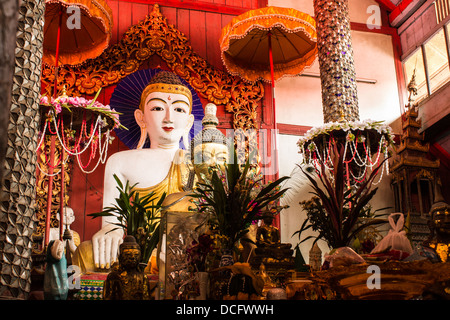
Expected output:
(439, 224)
(126, 281)
(267, 234)
(269, 249)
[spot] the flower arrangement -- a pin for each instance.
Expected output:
(365, 143)
(349, 127)
(80, 124)
(65, 102)
(198, 251)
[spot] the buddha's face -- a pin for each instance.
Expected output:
(209, 157)
(166, 117)
(130, 257)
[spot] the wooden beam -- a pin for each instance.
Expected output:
(395, 10)
(196, 5)
(358, 26)
(292, 129)
(387, 4)
(399, 10)
(440, 153)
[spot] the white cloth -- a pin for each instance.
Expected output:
(396, 239)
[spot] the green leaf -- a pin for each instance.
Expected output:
(309, 237)
(271, 186)
(101, 214)
(95, 98)
(119, 183)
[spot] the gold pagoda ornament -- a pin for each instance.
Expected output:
(413, 174)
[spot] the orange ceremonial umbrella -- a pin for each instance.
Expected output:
(75, 30)
(269, 43)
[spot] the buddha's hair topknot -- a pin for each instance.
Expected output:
(166, 77)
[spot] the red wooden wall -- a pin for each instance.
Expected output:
(201, 22)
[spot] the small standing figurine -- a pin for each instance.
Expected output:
(69, 218)
(126, 281)
(56, 285)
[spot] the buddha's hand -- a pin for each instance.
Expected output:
(105, 244)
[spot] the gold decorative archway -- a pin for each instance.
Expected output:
(154, 36)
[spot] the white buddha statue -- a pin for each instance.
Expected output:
(164, 116)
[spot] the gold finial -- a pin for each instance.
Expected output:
(412, 88)
(156, 9)
(342, 119)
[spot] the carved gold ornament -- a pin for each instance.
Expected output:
(42, 185)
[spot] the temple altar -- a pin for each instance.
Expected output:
(161, 169)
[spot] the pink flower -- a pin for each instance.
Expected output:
(63, 100)
(115, 117)
(58, 107)
(76, 101)
(44, 100)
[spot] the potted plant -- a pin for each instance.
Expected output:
(234, 199)
(335, 210)
(137, 216)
